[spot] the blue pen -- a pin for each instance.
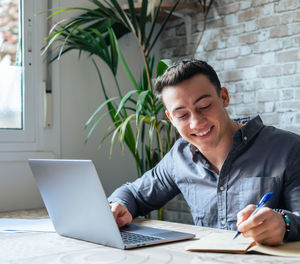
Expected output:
(261, 203)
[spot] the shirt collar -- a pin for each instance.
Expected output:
(194, 149)
(250, 129)
(198, 156)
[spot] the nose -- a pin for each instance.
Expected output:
(196, 121)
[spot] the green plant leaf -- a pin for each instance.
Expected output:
(141, 103)
(95, 125)
(124, 100)
(99, 109)
(159, 107)
(113, 52)
(139, 130)
(162, 65)
(143, 19)
(123, 61)
(112, 141)
(65, 42)
(67, 9)
(133, 15)
(123, 129)
(102, 7)
(122, 15)
(96, 32)
(108, 132)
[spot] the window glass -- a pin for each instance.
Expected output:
(11, 90)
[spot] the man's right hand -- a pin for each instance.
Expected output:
(121, 214)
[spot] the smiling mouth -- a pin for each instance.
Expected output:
(202, 134)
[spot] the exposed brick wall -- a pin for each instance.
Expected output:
(254, 47)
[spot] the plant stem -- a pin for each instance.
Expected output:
(160, 214)
(159, 142)
(118, 87)
(120, 94)
(147, 70)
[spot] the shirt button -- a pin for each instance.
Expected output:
(223, 222)
(222, 188)
(245, 138)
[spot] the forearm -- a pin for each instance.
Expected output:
(142, 196)
(149, 192)
(124, 196)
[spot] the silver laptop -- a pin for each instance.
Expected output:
(78, 207)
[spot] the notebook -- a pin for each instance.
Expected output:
(222, 242)
(78, 207)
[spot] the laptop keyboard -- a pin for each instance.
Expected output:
(132, 238)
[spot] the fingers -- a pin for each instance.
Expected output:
(245, 213)
(265, 227)
(255, 220)
(121, 214)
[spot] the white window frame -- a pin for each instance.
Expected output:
(33, 136)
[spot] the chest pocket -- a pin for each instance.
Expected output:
(250, 191)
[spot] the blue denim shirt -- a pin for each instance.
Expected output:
(262, 159)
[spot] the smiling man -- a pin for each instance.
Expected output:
(197, 109)
(222, 167)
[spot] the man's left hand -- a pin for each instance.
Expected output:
(265, 227)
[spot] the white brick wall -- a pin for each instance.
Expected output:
(254, 45)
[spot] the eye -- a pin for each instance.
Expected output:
(182, 116)
(204, 107)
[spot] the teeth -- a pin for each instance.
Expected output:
(203, 133)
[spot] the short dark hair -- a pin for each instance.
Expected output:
(184, 70)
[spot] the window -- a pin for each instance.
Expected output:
(22, 132)
(22, 74)
(11, 108)
(21, 71)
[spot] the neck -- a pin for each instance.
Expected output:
(217, 156)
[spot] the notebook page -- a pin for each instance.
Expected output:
(288, 249)
(221, 242)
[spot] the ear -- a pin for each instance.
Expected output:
(169, 116)
(224, 95)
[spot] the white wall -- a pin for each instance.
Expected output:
(76, 94)
(80, 96)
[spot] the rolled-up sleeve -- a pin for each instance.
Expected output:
(151, 191)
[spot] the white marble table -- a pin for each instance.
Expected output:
(46, 248)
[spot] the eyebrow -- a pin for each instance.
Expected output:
(195, 102)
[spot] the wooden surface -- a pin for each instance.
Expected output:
(44, 248)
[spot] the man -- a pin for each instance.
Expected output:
(221, 167)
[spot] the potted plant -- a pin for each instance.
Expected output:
(136, 115)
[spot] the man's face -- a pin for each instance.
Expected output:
(198, 112)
